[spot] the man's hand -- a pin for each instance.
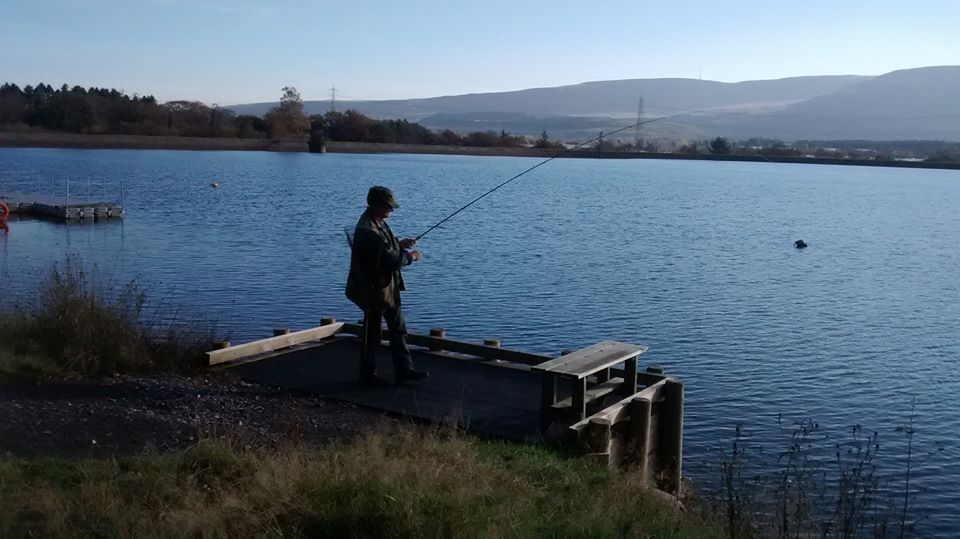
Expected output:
(407, 243)
(415, 255)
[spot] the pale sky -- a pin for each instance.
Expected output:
(241, 51)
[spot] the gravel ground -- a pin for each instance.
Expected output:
(124, 415)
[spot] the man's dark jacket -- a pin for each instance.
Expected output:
(375, 261)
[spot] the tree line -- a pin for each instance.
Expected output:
(109, 111)
(353, 126)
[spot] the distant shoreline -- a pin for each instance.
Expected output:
(144, 142)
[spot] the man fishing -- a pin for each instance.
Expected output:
(374, 284)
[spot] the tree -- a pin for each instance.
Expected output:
(288, 118)
(12, 104)
(690, 148)
(222, 122)
(779, 149)
(543, 141)
(449, 138)
(185, 118)
(603, 145)
(250, 126)
(720, 145)
(350, 126)
(481, 138)
(510, 141)
(942, 156)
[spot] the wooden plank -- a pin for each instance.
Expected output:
(594, 393)
(630, 370)
(587, 361)
(566, 358)
(467, 358)
(644, 379)
(273, 353)
(639, 445)
(618, 412)
(461, 347)
(273, 343)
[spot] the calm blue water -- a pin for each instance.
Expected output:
(694, 259)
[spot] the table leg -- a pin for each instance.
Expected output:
(630, 375)
(579, 398)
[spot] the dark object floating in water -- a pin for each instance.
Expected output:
(800, 244)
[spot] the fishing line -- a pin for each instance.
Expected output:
(544, 162)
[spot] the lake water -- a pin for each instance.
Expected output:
(693, 259)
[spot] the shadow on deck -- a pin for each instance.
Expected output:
(486, 398)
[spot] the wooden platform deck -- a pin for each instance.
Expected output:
(589, 398)
(489, 399)
(62, 208)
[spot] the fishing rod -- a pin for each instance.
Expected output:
(540, 164)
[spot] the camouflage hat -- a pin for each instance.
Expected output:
(381, 196)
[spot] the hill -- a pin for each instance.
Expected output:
(905, 104)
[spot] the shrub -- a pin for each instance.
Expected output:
(77, 325)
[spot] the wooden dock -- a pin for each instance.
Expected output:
(622, 418)
(62, 208)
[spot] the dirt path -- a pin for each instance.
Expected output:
(125, 415)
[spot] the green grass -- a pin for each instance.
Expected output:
(396, 483)
(76, 325)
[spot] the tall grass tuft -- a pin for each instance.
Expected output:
(817, 487)
(77, 325)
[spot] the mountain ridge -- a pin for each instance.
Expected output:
(906, 103)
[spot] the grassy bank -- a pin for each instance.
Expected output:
(401, 483)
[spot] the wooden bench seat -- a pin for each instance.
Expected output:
(578, 366)
(590, 360)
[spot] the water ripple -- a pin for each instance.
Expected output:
(694, 259)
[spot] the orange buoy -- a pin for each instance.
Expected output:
(4, 211)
